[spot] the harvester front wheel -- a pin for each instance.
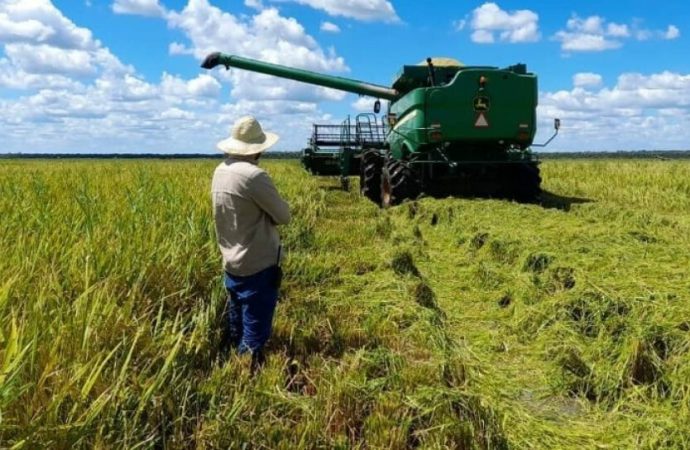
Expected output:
(370, 175)
(398, 183)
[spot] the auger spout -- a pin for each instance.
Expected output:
(305, 76)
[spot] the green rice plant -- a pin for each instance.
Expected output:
(441, 323)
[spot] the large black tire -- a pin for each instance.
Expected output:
(370, 175)
(523, 182)
(398, 183)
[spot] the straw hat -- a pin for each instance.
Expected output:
(247, 138)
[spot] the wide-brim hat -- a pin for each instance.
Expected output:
(247, 138)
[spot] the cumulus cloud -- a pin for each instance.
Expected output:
(460, 24)
(489, 23)
(617, 30)
(330, 27)
(587, 79)
(202, 86)
(672, 32)
(267, 36)
(639, 111)
(364, 104)
(595, 34)
(175, 48)
(43, 59)
(366, 10)
(40, 22)
(47, 43)
(255, 4)
(150, 8)
(15, 78)
(176, 114)
(69, 91)
(588, 35)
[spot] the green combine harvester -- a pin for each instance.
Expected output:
(450, 130)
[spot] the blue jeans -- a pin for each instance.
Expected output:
(251, 303)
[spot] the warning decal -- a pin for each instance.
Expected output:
(481, 121)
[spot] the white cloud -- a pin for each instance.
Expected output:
(43, 42)
(672, 32)
(29, 30)
(255, 4)
(483, 37)
(12, 77)
(640, 111)
(175, 48)
(589, 35)
(70, 93)
(202, 86)
(364, 104)
(577, 42)
(149, 8)
(176, 114)
(267, 36)
(366, 10)
(587, 79)
(515, 26)
(43, 59)
(39, 22)
(617, 30)
(460, 24)
(329, 27)
(594, 34)
(75, 92)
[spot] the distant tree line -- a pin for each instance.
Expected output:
(267, 155)
(639, 154)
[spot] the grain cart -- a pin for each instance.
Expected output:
(451, 128)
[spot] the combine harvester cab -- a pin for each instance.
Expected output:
(452, 129)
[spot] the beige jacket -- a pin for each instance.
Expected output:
(247, 208)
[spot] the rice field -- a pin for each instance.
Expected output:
(441, 323)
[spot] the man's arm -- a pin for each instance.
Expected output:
(265, 194)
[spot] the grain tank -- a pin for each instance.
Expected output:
(450, 129)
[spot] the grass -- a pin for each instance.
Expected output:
(452, 323)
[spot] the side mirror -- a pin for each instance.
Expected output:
(377, 106)
(557, 126)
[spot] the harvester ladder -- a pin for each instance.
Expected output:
(369, 132)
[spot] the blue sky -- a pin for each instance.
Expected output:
(123, 75)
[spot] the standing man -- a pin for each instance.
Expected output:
(247, 208)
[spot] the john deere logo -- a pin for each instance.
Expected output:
(482, 103)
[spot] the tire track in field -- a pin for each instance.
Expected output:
(388, 255)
